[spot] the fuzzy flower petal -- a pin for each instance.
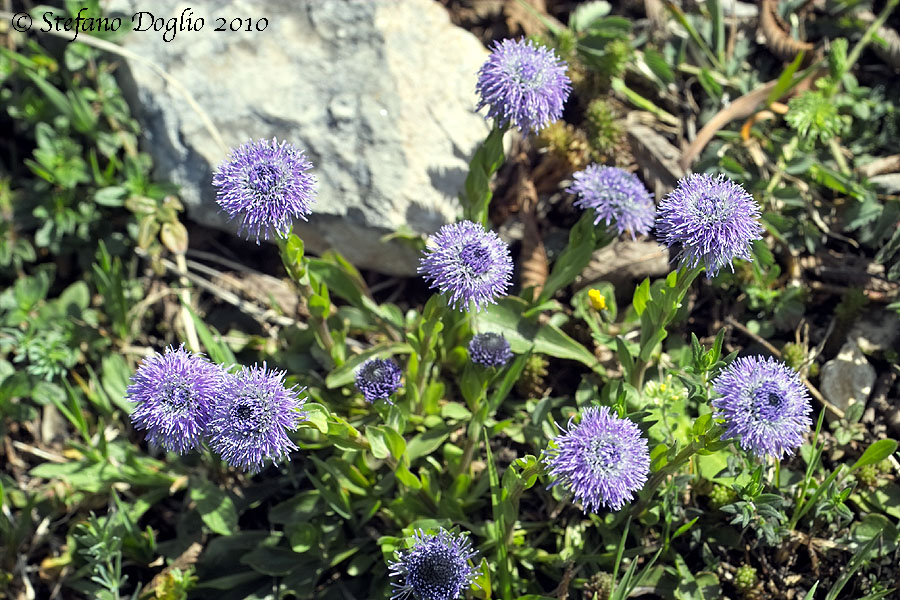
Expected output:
(435, 568)
(524, 84)
(617, 197)
(763, 403)
(253, 418)
(489, 350)
(268, 185)
(378, 378)
(469, 263)
(603, 460)
(712, 219)
(175, 393)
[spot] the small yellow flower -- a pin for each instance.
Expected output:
(662, 387)
(598, 300)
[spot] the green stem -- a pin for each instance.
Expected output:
(516, 494)
(653, 329)
(682, 457)
(870, 32)
(487, 159)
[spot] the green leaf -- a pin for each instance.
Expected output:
(427, 442)
(218, 351)
(786, 80)
(585, 14)
(876, 453)
(455, 410)
(215, 507)
(317, 416)
(624, 355)
(641, 297)
(385, 442)
(572, 261)
(270, 560)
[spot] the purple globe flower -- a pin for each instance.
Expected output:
(378, 378)
(435, 568)
(524, 84)
(603, 460)
(712, 219)
(489, 350)
(268, 185)
(763, 403)
(175, 394)
(617, 197)
(253, 417)
(471, 264)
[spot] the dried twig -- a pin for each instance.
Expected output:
(777, 353)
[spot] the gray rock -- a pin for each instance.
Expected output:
(876, 332)
(889, 183)
(380, 94)
(848, 378)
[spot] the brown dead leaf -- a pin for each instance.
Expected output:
(520, 20)
(534, 268)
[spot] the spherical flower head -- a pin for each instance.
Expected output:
(617, 197)
(523, 84)
(489, 350)
(435, 568)
(471, 264)
(378, 378)
(268, 185)
(763, 403)
(603, 460)
(175, 393)
(253, 417)
(712, 219)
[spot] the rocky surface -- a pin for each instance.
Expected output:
(847, 378)
(379, 93)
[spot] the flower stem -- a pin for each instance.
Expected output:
(653, 328)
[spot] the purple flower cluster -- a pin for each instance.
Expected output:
(183, 398)
(489, 350)
(763, 403)
(523, 84)
(176, 393)
(603, 460)
(378, 378)
(617, 197)
(253, 419)
(471, 264)
(435, 568)
(268, 185)
(712, 219)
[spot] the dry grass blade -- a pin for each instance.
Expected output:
(777, 39)
(534, 269)
(741, 108)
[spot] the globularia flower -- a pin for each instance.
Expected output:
(435, 568)
(603, 460)
(268, 185)
(712, 219)
(175, 393)
(471, 264)
(378, 378)
(489, 350)
(763, 403)
(524, 84)
(617, 197)
(253, 417)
